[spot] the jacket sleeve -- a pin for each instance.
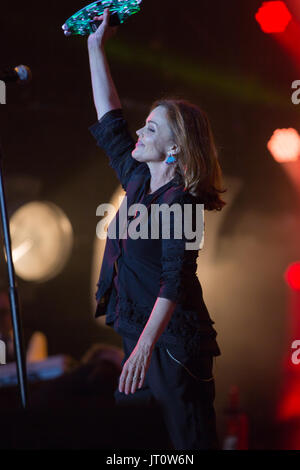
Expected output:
(179, 264)
(112, 135)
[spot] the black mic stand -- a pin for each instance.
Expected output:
(13, 296)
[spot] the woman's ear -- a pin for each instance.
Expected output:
(174, 150)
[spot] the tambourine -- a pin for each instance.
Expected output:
(82, 23)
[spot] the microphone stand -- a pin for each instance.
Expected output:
(13, 296)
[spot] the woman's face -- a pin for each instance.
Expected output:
(155, 138)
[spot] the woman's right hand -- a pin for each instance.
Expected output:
(103, 32)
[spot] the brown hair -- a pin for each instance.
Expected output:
(197, 162)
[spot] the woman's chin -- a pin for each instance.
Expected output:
(135, 154)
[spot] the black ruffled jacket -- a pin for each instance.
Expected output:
(150, 268)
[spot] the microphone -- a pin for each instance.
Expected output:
(20, 74)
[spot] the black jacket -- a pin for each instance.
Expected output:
(149, 268)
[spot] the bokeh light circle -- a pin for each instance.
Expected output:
(42, 240)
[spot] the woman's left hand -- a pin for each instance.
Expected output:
(135, 368)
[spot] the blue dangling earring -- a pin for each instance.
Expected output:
(170, 159)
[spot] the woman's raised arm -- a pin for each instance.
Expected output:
(104, 91)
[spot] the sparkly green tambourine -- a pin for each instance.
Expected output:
(81, 23)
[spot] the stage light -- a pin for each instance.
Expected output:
(284, 145)
(42, 239)
(273, 17)
(98, 250)
(292, 275)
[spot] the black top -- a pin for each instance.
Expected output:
(148, 268)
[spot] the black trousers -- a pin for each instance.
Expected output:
(184, 390)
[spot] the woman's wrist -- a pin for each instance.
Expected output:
(157, 322)
(146, 343)
(95, 47)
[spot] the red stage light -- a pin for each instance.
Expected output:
(284, 145)
(292, 275)
(273, 17)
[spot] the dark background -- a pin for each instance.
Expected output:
(210, 52)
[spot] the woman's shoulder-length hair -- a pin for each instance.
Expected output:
(197, 165)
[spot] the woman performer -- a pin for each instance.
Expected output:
(148, 287)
